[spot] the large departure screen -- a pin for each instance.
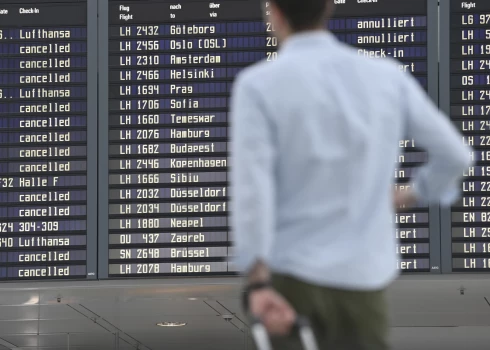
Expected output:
(171, 67)
(43, 139)
(470, 111)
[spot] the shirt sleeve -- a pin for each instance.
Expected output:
(439, 180)
(252, 177)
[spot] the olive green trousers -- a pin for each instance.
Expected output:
(341, 319)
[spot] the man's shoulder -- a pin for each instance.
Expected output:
(257, 75)
(369, 59)
(263, 74)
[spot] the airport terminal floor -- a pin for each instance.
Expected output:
(426, 314)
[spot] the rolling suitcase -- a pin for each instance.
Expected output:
(302, 324)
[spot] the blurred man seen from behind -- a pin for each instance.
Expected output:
(315, 136)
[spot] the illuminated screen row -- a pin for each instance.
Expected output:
(114, 134)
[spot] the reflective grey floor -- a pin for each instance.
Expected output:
(427, 314)
(434, 338)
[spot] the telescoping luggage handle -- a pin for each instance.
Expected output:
(302, 325)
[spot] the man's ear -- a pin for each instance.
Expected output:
(330, 9)
(276, 16)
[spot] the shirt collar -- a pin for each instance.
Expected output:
(307, 39)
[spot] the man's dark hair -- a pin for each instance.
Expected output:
(304, 14)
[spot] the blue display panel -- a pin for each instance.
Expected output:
(171, 69)
(470, 110)
(43, 140)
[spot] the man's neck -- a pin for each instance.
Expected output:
(290, 34)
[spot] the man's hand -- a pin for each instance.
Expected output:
(268, 305)
(273, 310)
(403, 199)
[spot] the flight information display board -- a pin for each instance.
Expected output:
(470, 111)
(43, 135)
(171, 67)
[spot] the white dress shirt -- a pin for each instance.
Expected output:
(315, 136)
